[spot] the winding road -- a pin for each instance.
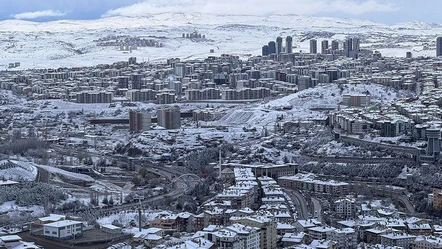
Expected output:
(300, 203)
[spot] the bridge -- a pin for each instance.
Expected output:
(189, 181)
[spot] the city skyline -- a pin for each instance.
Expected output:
(389, 12)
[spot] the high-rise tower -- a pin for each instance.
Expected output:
(272, 47)
(265, 50)
(288, 45)
(324, 47)
(439, 46)
(313, 46)
(278, 44)
(335, 45)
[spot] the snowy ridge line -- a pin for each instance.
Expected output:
(70, 176)
(23, 165)
(14, 164)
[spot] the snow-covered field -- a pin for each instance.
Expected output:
(17, 170)
(73, 43)
(12, 208)
(302, 103)
(70, 176)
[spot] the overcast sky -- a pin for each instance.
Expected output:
(386, 11)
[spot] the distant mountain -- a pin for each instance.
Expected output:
(185, 19)
(74, 42)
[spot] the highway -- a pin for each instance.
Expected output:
(300, 203)
(317, 209)
(408, 205)
(180, 186)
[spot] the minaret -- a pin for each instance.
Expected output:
(219, 164)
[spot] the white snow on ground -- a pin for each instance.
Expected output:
(323, 95)
(18, 170)
(73, 42)
(66, 174)
(11, 207)
(125, 218)
(406, 171)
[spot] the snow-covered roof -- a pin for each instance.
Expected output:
(53, 217)
(63, 223)
(110, 227)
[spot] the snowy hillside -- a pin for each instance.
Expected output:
(302, 104)
(74, 43)
(16, 170)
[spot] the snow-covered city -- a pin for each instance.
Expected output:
(192, 130)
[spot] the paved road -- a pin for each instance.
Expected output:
(300, 202)
(177, 189)
(42, 175)
(408, 205)
(317, 209)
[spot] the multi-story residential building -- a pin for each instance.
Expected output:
(208, 114)
(203, 94)
(345, 207)
(309, 183)
(164, 98)
(169, 117)
(437, 199)
(143, 95)
(248, 235)
(94, 97)
(427, 242)
(320, 232)
(225, 238)
(238, 198)
(356, 100)
(304, 225)
(313, 46)
(278, 45)
(346, 238)
(439, 46)
(324, 47)
(213, 216)
(139, 121)
(397, 239)
(169, 223)
(289, 45)
(267, 229)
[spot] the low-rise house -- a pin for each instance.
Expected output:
(49, 219)
(111, 229)
(65, 229)
(151, 237)
(15, 242)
